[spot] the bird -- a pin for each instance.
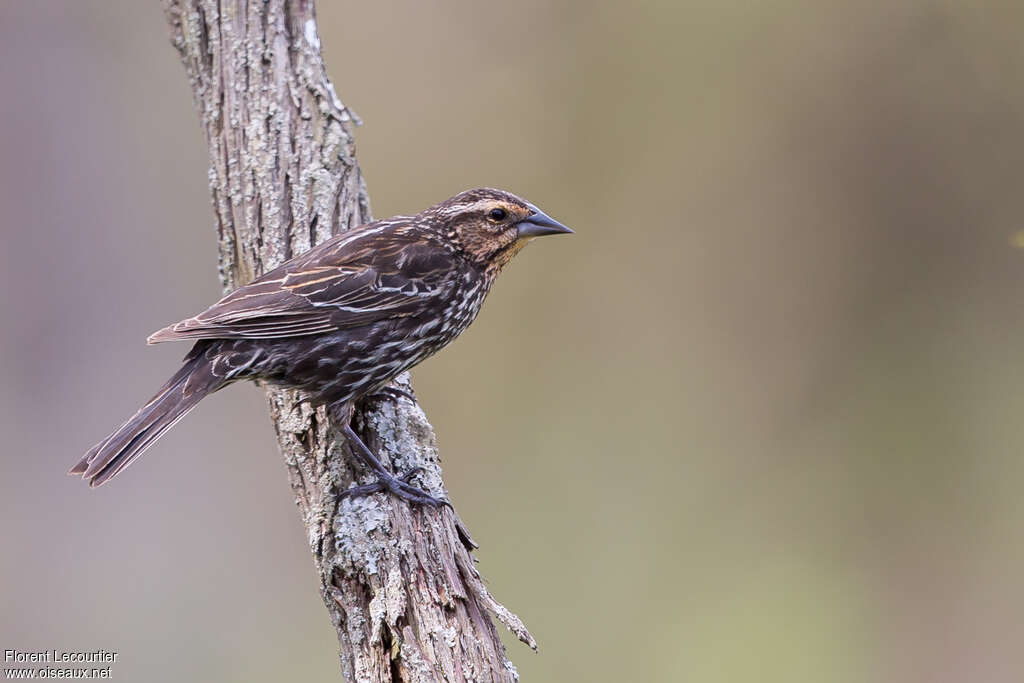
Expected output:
(340, 322)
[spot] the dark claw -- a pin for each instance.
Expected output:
(410, 474)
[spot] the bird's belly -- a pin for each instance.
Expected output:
(341, 366)
(346, 364)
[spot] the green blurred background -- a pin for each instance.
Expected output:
(759, 420)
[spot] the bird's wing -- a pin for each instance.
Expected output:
(341, 284)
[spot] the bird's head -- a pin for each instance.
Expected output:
(491, 226)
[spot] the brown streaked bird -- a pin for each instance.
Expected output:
(340, 321)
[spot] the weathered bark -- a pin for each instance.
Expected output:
(399, 582)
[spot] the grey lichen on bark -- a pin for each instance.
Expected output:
(399, 582)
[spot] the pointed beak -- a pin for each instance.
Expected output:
(539, 224)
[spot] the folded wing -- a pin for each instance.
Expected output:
(343, 283)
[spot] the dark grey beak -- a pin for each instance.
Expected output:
(539, 224)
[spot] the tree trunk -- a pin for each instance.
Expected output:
(398, 581)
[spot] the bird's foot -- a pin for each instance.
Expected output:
(398, 486)
(386, 481)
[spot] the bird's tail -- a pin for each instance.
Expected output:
(179, 395)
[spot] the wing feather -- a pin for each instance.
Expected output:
(349, 281)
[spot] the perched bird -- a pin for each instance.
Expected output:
(340, 321)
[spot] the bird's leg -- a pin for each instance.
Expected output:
(386, 481)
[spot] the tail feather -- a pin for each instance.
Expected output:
(175, 399)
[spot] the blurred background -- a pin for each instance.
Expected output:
(760, 419)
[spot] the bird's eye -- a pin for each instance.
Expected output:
(497, 215)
